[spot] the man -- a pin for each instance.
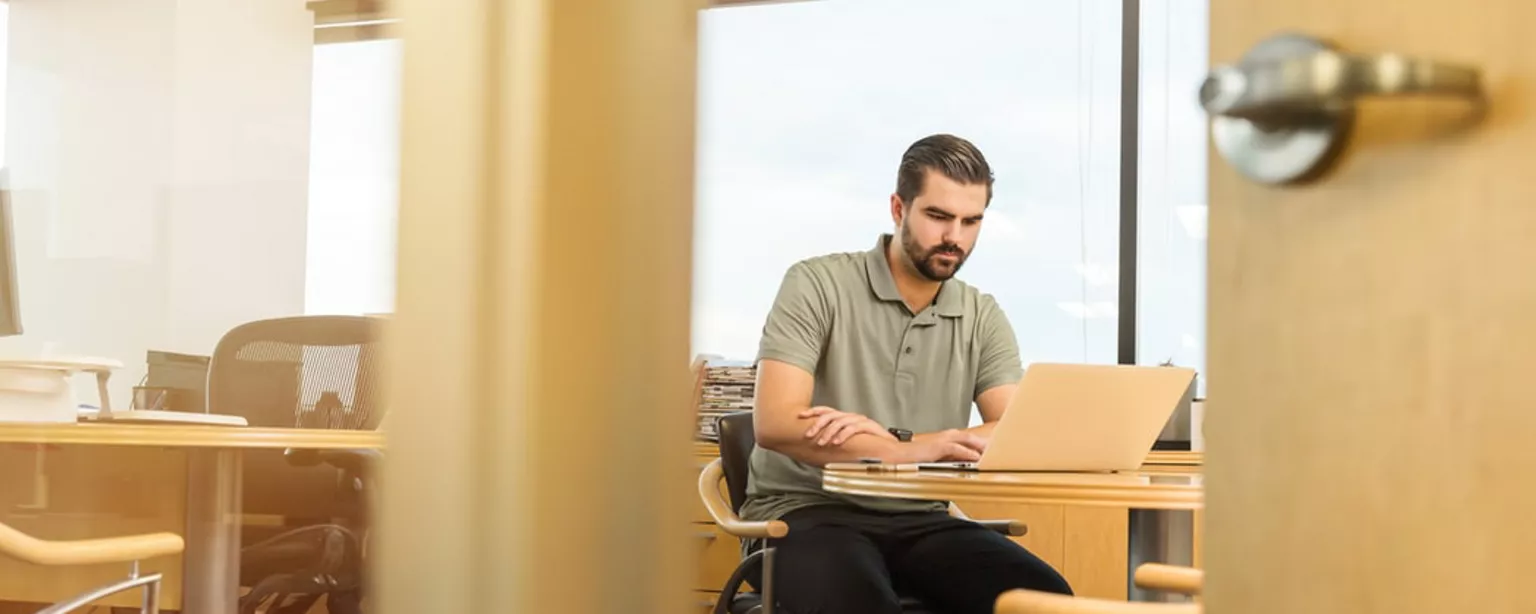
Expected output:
(880, 355)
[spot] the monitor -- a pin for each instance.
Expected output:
(10, 299)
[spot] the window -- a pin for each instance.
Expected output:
(1171, 190)
(354, 178)
(5, 29)
(806, 108)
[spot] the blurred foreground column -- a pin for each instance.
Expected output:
(539, 457)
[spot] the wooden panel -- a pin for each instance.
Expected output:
(1370, 448)
(90, 492)
(704, 602)
(1046, 537)
(1096, 550)
(719, 554)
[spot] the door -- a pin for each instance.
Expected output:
(1370, 431)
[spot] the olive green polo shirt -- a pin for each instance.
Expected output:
(841, 319)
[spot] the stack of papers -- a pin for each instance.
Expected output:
(727, 388)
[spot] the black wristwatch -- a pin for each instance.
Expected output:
(901, 434)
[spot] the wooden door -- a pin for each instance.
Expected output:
(1371, 432)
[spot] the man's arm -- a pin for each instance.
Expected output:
(793, 338)
(783, 396)
(786, 423)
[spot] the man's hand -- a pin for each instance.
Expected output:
(833, 427)
(950, 445)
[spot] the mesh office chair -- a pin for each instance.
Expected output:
(737, 439)
(306, 372)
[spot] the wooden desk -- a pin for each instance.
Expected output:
(1157, 489)
(1094, 528)
(208, 457)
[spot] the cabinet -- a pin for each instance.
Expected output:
(717, 552)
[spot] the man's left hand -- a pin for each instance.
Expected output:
(833, 427)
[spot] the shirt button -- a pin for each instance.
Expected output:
(909, 349)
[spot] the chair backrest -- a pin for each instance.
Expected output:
(310, 372)
(737, 439)
(307, 371)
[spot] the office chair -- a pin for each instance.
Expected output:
(1022, 601)
(737, 439)
(303, 372)
(1169, 578)
(129, 549)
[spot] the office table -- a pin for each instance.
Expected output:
(211, 561)
(1160, 500)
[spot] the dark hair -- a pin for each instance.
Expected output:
(951, 155)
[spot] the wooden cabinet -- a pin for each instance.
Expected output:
(716, 553)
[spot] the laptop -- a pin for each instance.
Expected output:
(1075, 417)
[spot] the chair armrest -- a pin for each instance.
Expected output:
(1169, 578)
(1006, 527)
(21, 546)
(1011, 528)
(1021, 601)
(720, 511)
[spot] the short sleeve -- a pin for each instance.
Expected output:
(797, 325)
(999, 354)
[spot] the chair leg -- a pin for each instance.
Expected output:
(768, 552)
(152, 598)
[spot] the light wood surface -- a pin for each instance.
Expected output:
(123, 549)
(1032, 602)
(546, 198)
(1140, 490)
(1156, 459)
(1170, 578)
(188, 436)
(1370, 440)
(1095, 550)
(1175, 457)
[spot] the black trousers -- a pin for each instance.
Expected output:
(846, 560)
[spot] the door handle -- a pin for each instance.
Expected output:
(1281, 114)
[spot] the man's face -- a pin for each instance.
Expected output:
(938, 228)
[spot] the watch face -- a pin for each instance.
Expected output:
(901, 434)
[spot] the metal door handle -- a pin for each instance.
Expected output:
(1326, 81)
(1281, 113)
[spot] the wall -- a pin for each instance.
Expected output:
(159, 156)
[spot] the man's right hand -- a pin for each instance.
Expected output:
(948, 445)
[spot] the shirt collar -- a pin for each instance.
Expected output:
(883, 282)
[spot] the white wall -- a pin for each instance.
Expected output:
(159, 155)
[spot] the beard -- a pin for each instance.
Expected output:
(926, 261)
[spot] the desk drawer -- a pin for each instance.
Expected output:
(719, 553)
(703, 602)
